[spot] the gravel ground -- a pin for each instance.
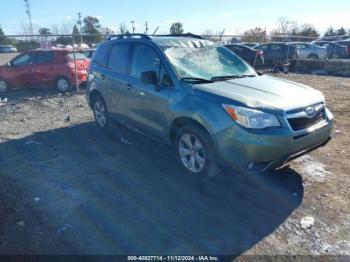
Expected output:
(67, 188)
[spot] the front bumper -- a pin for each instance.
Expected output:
(258, 151)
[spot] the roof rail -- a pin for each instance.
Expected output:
(122, 36)
(183, 35)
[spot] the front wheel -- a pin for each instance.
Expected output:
(3, 86)
(196, 152)
(62, 84)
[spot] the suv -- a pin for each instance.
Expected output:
(39, 68)
(205, 100)
(278, 53)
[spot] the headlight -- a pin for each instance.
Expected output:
(251, 118)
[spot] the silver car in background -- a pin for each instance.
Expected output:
(310, 51)
(8, 49)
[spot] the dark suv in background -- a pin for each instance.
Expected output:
(278, 53)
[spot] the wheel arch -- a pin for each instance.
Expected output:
(93, 94)
(181, 121)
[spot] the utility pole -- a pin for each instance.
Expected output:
(29, 17)
(80, 23)
(146, 28)
(133, 26)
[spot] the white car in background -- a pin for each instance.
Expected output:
(310, 51)
(8, 49)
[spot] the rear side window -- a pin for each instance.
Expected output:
(101, 55)
(44, 57)
(262, 47)
(78, 56)
(119, 58)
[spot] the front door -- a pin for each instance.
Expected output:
(20, 73)
(148, 107)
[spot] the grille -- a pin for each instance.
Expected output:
(305, 122)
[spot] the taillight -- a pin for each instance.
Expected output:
(349, 50)
(70, 65)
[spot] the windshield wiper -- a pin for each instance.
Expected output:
(197, 79)
(223, 78)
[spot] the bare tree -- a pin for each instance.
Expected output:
(122, 29)
(285, 27)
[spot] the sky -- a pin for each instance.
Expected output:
(235, 16)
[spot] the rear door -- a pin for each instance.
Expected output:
(44, 67)
(267, 54)
(147, 107)
(117, 80)
(20, 74)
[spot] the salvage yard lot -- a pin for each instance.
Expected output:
(67, 188)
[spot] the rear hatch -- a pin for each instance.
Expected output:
(81, 62)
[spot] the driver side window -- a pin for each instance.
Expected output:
(25, 59)
(146, 59)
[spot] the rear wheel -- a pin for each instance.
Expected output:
(62, 84)
(3, 86)
(312, 56)
(335, 56)
(100, 112)
(196, 152)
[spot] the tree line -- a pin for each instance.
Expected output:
(90, 31)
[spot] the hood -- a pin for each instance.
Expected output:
(264, 92)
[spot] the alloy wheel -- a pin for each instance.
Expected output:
(62, 85)
(3, 86)
(192, 153)
(100, 113)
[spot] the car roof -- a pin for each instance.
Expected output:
(166, 41)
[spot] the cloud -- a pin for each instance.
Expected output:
(68, 18)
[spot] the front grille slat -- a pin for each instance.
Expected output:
(298, 124)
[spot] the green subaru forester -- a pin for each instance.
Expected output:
(205, 100)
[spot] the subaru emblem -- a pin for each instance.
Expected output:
(310, 111)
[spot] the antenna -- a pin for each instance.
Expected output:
(146, 28)
(29, 17)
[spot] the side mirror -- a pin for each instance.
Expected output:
(150, 78)
(9, 64)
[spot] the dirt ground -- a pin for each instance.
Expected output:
(67, 188)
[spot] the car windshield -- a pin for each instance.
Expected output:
(78, 56)
(207, 62)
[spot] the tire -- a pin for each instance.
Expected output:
(62, 84)
(101, 114)
(313, 56)
(195, 152)
(3, 86)
(335, 56)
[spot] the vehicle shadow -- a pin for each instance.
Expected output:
(123, 193)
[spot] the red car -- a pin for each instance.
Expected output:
(41, 68)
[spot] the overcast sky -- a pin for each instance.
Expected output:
(197, 16)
